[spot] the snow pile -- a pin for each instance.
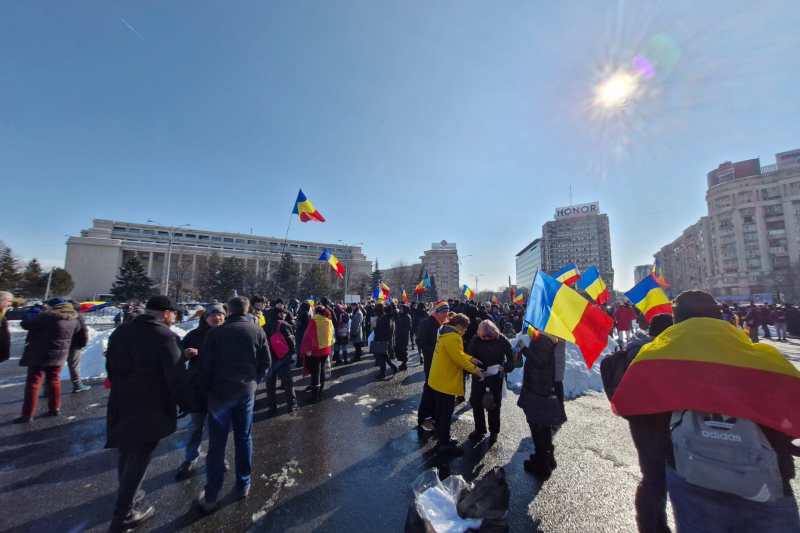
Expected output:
(93, 360)
(577, 378)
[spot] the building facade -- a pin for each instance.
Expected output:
(94, 257)
(403, 277)
(640, 272)
(528, 263)
(754, 229)
(578, 234)
(441, 262)
(685, 261)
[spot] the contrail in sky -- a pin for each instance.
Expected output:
(127, 25)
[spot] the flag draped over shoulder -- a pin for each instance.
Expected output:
(650, 298)
(592, 284)
(568, 275)
(305, 210)
(559, 310)
(331, 259)
(706, 364)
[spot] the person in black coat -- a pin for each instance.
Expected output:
(427, 333)
(301, 323)
(213, 316)
(145, 367)
(282, 348)
(52, 332)
(235, 358)
(402, 334)
(542, 401)
(5, 335)
(492, 349)
(382, 341)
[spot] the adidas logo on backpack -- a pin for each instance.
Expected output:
(725, 454)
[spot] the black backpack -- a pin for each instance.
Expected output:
(612, 368)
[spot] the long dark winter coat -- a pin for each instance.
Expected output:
(5, 340)
(145, 367)
(51, 334)
(540, 398)
(402, 329)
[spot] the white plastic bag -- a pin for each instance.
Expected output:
(435, 501)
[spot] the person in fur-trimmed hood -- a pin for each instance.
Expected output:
(51, 334)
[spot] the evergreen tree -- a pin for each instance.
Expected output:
(61, 284)
(33, 283)
(377, 276)
(208, 277)
(9, 269)
(316, 283)
(230, 278)
(132, 282)
(286, 278)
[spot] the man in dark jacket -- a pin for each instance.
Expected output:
(235, 358)
(145, 368)
(214, 316)
(5, 335)
(426, 342)
(51, 334)
(74, 360)
(402, 334)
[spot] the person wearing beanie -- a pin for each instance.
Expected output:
(145, 368)
(426, 343)
(213, 316)
(52, 333)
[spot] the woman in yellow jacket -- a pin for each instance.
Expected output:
(446, 379)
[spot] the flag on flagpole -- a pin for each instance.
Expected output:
(658, 274)
(519, 299)
(495, 299)
(568, 275)
(650, 298)
(404, 297)
(305, 210)
(468, 293)
(331, 259)
(592, 284)
(559, 310)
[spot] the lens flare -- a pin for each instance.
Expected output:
(616, 91)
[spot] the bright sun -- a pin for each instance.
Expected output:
(615, 91)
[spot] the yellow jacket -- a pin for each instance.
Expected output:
(449, 363)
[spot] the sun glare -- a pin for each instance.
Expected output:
(615, 91)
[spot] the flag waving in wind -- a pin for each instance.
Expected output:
(331, 259)
(658, 274)
(469, 294)
(650, 298)
(305, 210)
(404, 297)
(381, 292)
(567, 275)
(423, 285)
(593, 285)
(560, 311)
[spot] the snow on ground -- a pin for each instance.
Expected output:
(577, 378)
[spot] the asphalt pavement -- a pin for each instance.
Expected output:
(345, 464)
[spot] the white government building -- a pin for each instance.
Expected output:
(94, 257)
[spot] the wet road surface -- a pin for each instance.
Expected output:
(343, 465)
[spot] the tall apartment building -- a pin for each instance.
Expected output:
(640, 272)
(94, 257)
(441, 262)
(528, 263)
(754, 228)
(685, 261)
(578, 234)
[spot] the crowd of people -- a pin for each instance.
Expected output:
(212, 375)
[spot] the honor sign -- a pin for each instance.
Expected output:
(591, 208)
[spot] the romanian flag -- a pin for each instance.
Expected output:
(658, 274)
(559, 310)
(591, 283)
(512, 292)
(90, 307)
(423, 285)
(318, 337)
(420, 288)
(519, 299)
(404, 297)
(706, 364)
(305, 210)
(495, 299)
(567, 275)
(469, 294)
(650, 298)
(381, 292)
(337, 265)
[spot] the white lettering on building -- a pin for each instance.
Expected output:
(591, 208)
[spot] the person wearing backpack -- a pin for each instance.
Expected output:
(724, 410)
(650, 444)
(282, 346)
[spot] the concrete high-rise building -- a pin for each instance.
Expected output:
(441, 262)
(640, 272)
(579, 234)
(94, 257)
(528, 263)
(754, 229)
(402, 277)
(685, 261)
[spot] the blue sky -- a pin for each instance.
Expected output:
(404, 122)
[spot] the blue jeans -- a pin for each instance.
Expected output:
(237, 412)
(197, 421)
(708, 511)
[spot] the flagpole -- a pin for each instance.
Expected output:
(286, 237)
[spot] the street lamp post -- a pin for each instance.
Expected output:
(169, 252)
